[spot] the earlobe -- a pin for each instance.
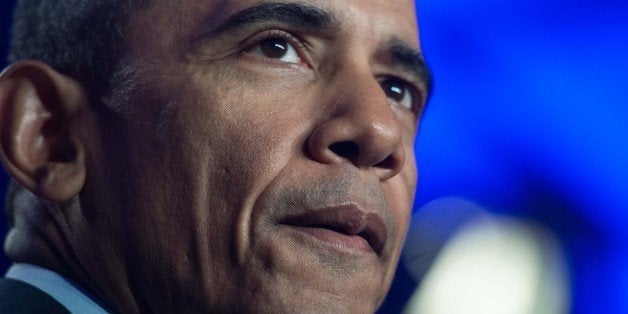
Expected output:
(38, 147)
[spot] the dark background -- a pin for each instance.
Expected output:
(529, 117)
(5, 23)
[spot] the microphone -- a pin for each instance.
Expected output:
(430, 229)
(468, 260)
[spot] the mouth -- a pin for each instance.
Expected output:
(345, 227)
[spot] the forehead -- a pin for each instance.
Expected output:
(165, 20)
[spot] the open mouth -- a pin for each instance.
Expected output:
(345, 227)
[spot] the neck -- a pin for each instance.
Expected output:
(41, 235)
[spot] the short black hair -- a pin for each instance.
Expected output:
(80, 38)
(83, 39)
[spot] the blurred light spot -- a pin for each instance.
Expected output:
(496, 266)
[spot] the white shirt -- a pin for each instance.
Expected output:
(60, 288)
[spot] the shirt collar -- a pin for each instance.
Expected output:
(70, 295)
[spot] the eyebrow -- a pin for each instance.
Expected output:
(292, 14)
(304, 16)
(410, 60)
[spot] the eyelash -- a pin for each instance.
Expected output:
(297, 43)
(417, 95)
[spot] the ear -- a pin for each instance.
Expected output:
(38, 114)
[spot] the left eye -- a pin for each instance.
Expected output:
(276, 48)
(399, 92)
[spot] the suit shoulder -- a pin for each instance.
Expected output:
(19, 297)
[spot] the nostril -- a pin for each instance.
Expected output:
(348, 150)
(387, 163)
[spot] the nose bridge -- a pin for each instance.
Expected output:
(362, 102)
(362, 127)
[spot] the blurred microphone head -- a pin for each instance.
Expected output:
(468, 260)
(430, 229)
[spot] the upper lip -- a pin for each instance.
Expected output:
(348, 219)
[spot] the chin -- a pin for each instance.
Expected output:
(294, 272)
(311, 289)
(305, 301)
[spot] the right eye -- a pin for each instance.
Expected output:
(399, 92)
(276, 48)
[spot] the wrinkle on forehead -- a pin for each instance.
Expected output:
(384, 18)
(166, 21)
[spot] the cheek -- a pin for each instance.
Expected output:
(249, 134)
(253, 122)
(401, 192)
(401, 197)
(241, 138)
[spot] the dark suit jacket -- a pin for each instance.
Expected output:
(19, 297)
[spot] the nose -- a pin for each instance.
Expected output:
(362, 128)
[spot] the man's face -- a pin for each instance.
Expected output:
(258, 156)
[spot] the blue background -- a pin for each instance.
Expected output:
(529, 118)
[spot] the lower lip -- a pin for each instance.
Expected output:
(339, 241)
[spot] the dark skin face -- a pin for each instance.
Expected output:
(252, 157)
